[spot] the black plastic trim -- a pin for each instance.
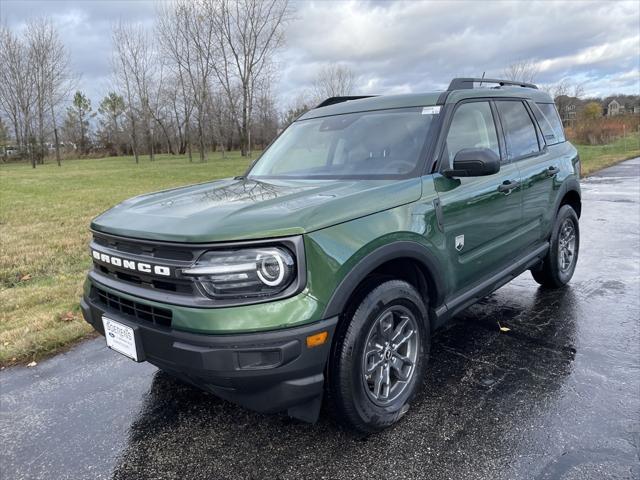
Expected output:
(570, 184)
(388, 252)
(334, 100)
(470, 296)
(437, 206)
(467, 83)
(290, 379)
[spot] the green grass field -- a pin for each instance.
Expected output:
(597, 157)
(44, 218)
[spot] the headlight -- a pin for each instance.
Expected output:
(246, 273)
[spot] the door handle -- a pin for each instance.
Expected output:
(551, 171)
(507, 186)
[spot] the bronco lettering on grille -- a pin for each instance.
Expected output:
(130, 264)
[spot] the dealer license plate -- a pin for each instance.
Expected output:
(120, 338)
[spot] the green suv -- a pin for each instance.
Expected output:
(325, 269)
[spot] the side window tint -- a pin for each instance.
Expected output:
(549, 122)
(472, 127)
(519, 131)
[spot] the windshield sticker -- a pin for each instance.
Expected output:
(431, 110)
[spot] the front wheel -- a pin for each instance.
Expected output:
(558, 266)
(379, 357)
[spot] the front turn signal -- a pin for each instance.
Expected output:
(317, 339)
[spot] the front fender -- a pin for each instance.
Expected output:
(391, 251)
(341, 256)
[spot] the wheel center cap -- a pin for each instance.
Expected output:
(387, 354)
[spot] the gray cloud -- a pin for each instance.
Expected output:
(85, 28)
(420, 45)
(396, 47)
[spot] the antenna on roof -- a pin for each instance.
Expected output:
(482, 79)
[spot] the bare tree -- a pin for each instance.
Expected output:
(51, 76)
(186, 33)
(134, 66)
(248, 33)
(334, 80)
(565, 88)
(525, 70)
(175, 43)
(179, 108)
(4, 139)
(17, 88)
(266, 118)
(566, 95)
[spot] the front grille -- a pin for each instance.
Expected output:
(184, 287)
(172, 256)
(141, 311)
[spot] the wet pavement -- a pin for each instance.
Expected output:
(556, 397)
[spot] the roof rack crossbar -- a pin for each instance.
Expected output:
(467, 83)
(334, 100)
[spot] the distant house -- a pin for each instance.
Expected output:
(622, 105)
(10, 151)
(569, 109)
(615, 108)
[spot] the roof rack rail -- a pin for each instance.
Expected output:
(467, 83)
(334, 100)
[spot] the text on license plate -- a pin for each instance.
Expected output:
(120, 338)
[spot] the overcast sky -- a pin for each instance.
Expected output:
(394, 47)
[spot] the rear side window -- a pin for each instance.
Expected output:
(472, 127)
(549, 122)
(519, 131)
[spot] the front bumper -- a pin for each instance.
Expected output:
(267, 371)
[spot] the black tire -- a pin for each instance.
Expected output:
(350, 395)
(550, 273)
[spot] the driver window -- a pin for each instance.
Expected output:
(472, 127)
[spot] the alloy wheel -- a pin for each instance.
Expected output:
(566, 245)
(390, 354)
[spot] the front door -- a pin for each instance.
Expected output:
(480, 217)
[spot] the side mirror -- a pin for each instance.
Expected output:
(474, 162)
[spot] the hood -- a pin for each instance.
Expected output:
(240, 209)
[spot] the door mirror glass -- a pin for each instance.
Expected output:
(474, 162)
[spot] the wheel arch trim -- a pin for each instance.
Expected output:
(568, 186)
(401, 249)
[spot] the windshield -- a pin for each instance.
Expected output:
(384, 143)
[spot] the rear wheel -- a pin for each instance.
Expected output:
(379, 357)
(558, 266)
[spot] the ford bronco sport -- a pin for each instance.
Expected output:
(367, 224)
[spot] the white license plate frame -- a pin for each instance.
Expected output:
(120, 337)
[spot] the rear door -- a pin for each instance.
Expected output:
(543, 178)
(479, 217)
(526, 147)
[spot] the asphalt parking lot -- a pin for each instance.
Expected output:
(557, 397)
